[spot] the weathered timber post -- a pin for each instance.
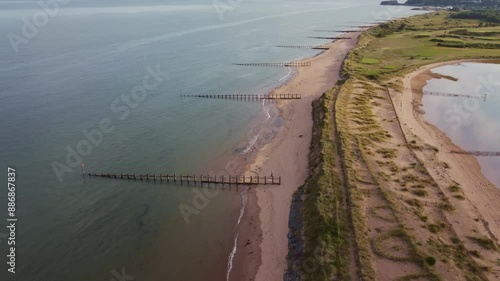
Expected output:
(265, 180)
(279, 182)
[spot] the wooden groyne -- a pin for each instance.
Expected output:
(455, 95)
(247, 180)
(305, 47)
(476, 153)
(276, 64)
(249, 96)
(329, 38)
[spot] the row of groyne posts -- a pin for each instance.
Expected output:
(249, 96)
(237, 180)
(233, 180)
(277, 64)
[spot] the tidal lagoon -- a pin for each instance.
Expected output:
(471, 122)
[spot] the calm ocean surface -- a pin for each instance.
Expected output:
(78, 69)
(471, 123)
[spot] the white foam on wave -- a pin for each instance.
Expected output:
(289, 72)
(244, 200)
(231, 257)
(244, 194)
(256, 137)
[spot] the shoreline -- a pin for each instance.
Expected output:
(262, 245)
(463, 169)
(423, 79)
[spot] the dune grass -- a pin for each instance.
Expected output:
(326, 229)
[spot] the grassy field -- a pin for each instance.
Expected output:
(403, 45)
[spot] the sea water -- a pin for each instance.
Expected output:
(67, 75)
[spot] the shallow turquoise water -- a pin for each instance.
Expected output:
(472, 123)
(76, 72)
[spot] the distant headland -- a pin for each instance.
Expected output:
(463, 4)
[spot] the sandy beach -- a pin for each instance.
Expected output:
(263, 243)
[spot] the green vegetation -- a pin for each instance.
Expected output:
(456, 3)
(430, 260)
(387, 152)
(446, 207)
(354, 150)
(421, 193)
(455, 188)
(370, 61)
(351, 157)
(345, 142)
(434, 228)
(492, 16)
(326, 240)
(422, 276)
(409, 43)
(405, 45)
(401, 254)
(484, 242)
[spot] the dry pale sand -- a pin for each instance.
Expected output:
(464, 169)
(286, 156)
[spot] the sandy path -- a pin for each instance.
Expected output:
(287, 155)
